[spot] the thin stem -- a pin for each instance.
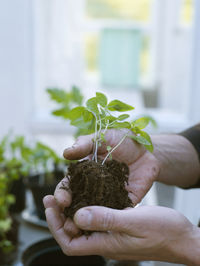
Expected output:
(114, 148)
(97, 138)
(94, 157)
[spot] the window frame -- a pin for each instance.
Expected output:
(74, 21)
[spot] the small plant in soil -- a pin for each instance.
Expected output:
(102, 182)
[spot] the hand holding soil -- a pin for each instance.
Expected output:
(142, 233)
(143, 166)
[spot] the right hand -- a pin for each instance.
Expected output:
(143, 233)
(143, 166)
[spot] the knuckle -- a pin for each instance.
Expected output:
(68, 251)
(108, 220)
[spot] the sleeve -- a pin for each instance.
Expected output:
(193, 135)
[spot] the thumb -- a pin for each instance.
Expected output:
(98, 218)
(80, 149)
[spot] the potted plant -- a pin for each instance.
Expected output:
(46, 169)
(13, 166)
(90, 181)
(8, 224)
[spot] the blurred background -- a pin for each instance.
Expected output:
(145, 52)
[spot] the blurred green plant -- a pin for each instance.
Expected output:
(25, 160)
(66, 100)
(6, 199)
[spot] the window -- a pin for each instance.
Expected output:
(141, 49)
(117, 40)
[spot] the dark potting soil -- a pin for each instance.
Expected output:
(92, 183)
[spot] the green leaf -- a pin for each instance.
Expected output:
(151, 120)
(58, 95)
(79, 122)
(101, 99)
(63, 112)
(110, 118)
(148, 138)
(123, 117)
(5, 225)
(88, 116)
(119, 106)
(108, 148)
(92, 105)
(141, 122)
(120, 125)
(103, 137)
(76, 95)
(135, 129)
(140, 140)
(76, 113)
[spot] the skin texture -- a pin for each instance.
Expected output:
(179, 162)
(142, 233)
(143, 165)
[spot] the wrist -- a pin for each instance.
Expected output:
(187, 250)
(179, 164)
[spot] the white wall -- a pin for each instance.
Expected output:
(15, 65)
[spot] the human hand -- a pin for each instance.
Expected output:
(143, 166)
(143, 233)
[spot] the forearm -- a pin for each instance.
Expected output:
(179, 162)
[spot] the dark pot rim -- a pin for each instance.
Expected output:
(43, 247)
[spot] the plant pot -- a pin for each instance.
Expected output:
(19, 191)
(40, 191)
(47, 252)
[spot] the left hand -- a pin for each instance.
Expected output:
(143, 233)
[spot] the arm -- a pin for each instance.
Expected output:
(178, 160)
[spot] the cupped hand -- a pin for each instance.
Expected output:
(142, 233)
(143, 166)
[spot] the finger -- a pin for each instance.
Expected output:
(98, 218)
(72, 246)
(142, 175)
(55, 224)
(49, 201)
(62, 194)
(82, 147)
(70, 228)
(95, 244)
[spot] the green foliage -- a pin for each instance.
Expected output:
(99, 115)
(65, 100)
(119, 106)
(19, 160)
(6, 200)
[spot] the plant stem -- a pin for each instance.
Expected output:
(97, 138)
(114, 148)
(94, 157)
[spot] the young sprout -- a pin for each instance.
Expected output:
(99, 115)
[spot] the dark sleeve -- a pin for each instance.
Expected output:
(193, 135)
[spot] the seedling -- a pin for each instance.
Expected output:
(102, 182)
(99, 115)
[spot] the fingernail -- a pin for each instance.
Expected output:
(72, 147)
(83, 218)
